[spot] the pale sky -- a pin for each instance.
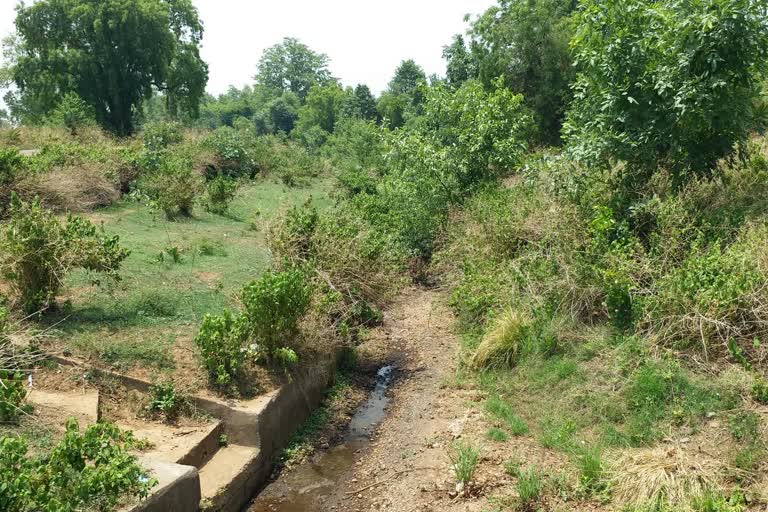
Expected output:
(365, 39)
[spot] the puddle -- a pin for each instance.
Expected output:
(306, 488)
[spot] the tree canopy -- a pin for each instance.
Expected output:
(292, 66)
(114, 54)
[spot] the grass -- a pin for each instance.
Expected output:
(496, 434)
(464, 459)
(530, 487)
(176, 273)
(502, 411)
(301, 443)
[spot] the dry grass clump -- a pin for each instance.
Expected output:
(502, 344)
(70, 189)
(666, 476)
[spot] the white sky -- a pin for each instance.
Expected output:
(365, 39)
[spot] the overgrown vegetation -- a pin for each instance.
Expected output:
(609, 288)
(89, 469)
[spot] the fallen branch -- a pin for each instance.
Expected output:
(390, 477)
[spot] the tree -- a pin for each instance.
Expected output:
(461, 65)
(665, 85)
(392, 108)
(292, 66)
(364, 104)
(526, 42)
(408, 76)
(112, 53)
(324, 107)
(284, 111)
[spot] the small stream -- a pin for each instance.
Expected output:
(306, 487)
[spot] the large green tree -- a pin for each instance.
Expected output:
(114, 54)
(292, 66)
(665, 85)
(526, 43)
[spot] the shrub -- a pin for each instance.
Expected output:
(37, 251)
(219, 192)
(716, 294)
(13, 393)
(159, 135)
(273, 306)
(220, 340)
(11, 165)
(173, 186)
(89, 470)
(234, 153)
(72, 113)
(165, 401)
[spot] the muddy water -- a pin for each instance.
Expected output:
(306, 488)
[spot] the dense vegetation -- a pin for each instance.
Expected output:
(588, 181)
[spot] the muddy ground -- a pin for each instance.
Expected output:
(406, 466)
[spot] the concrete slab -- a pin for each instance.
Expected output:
(178, 488)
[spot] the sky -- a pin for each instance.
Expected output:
(365, 39)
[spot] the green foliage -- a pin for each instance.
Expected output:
(663, 392)
(664, 86)
(589, 463)
(525, 43)
(292, 66)
(62, 48)
(273, 306)
(220, 340)
(173, 186)
(234, 152)
(219, 192)
(496, 434)
(159, 135)
(13, 393)
(530, 489)
(89, 470)
(503, 412)
(72, 112)
(464, 459)
(323, 108)
(38, 251)
(165, 401)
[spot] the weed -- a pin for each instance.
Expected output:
(589, 463)
(557, 432)
(744, 426)
(208, 247)
(223, 440)
(464, 459)
(165, 401)
(530, 487)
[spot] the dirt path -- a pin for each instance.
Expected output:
(406, 466)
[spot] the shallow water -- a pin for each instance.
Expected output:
(306, 488)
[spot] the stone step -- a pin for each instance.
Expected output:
(225, 479)
(188, 446)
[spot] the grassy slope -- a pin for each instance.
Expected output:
(159, 302)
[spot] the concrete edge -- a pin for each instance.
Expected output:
(178, 488)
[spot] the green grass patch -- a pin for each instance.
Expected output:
(496, 434)
(205, 262)
(502, 411)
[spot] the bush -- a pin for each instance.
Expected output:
(664, 86)
(92, 470)
(173, 186)
(73, 113)
(220, 340)
(165, 401)
(273, 306)
(37, 251)
(159, 135)
(234, 152)
(715, 294)
(13, 393)
(219, 192)
(11, 166)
